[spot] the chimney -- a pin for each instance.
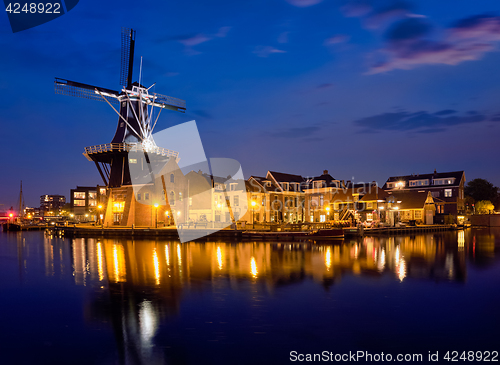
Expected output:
(325, 172)
(435, 171)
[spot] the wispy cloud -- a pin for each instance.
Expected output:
(189, 41)
(410, 43)
(337, 39)
(203, 114)
(265, 51)
(303, 3)
(421, 122)
(283, 37)
(297, 132)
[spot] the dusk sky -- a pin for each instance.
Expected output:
(364, 89)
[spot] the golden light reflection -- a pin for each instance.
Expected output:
(167, 254)
(100, 266)
(402, 270)
(381, 262)
(461, 240)
(253, 267)
(157, 266)
(219, 258)
(328, 259)
(119, 263)
(179, 258)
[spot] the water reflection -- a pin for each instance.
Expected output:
(139, 284)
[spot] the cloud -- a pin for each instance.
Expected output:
(195, 40)
(384, 15)
(480, 27)
(222, 32)
(336, 39)
(445, 112)
(265, 51)
(495, 118)
(303, 3)
(298, 132)
(421, 122)
(409, 43)
(202, 113)
(356, 8)
(324, 86)
(408, 29)
(283, 37)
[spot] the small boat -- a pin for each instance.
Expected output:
(327, 233)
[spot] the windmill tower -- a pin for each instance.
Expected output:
(133, 137)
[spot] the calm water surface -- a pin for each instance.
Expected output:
(105, 301)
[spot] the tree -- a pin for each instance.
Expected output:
(481, 189)
(484, 207)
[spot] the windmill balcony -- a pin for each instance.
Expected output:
(127, 147)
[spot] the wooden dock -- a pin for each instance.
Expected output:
(358, 231)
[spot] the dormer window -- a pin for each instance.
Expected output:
(317, 184)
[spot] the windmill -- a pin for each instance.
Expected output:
(134, 132)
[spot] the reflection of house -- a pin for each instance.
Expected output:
(447, 186)
(413, 205)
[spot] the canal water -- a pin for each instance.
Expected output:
(118, 301)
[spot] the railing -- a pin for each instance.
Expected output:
(129, 147)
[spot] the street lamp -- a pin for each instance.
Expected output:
(156, 214)
(100, 215)
(253, 212)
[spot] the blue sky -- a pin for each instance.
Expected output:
(365, 89)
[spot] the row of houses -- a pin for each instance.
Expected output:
(428, 198)
(175, 197)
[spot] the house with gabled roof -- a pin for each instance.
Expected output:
(447, 186)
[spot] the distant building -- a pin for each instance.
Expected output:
(447, 187)
(52, 203)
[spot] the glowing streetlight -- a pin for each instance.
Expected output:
(253, 211)
(100, 215)
(156, 214)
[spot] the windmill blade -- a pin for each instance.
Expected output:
(168, 102)
(127, 56)
(73, 88)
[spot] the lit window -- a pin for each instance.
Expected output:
(180, 197)
(92, 194)
(190, 201)
(79, 203)
(79, 195)
(369, 217)
(447, 193)
(132, 160)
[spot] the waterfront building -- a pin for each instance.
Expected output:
(85, 200)
(278, 197)
(413, 205)
(52, 203)
(448, 187)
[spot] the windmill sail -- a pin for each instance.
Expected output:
(127, 56)
(86, 91)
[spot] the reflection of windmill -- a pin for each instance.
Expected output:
(135, 123)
